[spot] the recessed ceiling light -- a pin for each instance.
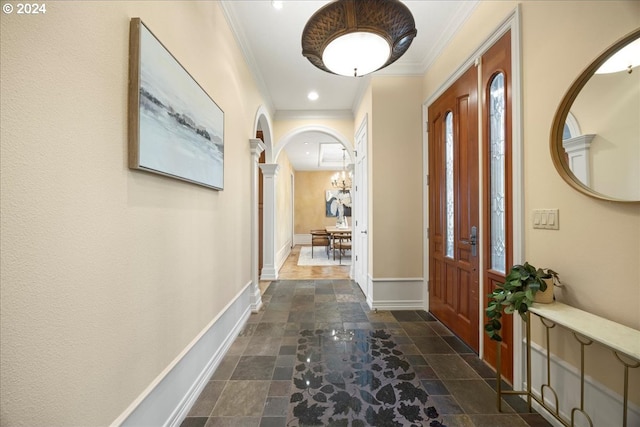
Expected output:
(277, 4)
(313, 95)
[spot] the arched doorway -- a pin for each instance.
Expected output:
(270, 172)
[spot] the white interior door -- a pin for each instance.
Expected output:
(361, 214)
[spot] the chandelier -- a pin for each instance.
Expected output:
(358, 37)
(342, 180)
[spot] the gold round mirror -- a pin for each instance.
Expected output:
(595, 135)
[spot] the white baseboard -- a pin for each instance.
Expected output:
(397, 293)
(255, 298)
(603, 405)
(168, 399)
(269, 273)
(397, 305)
(366, 289)
(282, 255)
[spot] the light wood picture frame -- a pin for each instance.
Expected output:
(175, 127)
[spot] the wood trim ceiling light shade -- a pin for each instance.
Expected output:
(387, 20)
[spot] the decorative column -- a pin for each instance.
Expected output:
(257, 147)
(269, 173)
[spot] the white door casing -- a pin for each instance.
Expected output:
(361, 212)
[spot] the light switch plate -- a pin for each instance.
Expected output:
(547, 219)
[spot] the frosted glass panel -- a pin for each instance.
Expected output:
(497, 178)
(448, 128)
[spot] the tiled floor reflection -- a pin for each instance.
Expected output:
(316, 355)
(356, 377)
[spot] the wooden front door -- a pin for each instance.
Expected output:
(453, 208)
(498, 191)
(262, 158)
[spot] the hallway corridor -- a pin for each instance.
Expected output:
(316, 355)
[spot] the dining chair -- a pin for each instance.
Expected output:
(341, 243)
(320, 238)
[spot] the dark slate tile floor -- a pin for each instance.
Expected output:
(316, 355)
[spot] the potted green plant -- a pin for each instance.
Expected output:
(516, 294)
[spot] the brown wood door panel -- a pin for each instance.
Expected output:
(454, 280)
(451, 286)
(490, 348)
(497, 60)
(464, 304)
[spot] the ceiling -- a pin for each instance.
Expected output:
(271, 43)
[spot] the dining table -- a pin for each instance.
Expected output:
(332, 230)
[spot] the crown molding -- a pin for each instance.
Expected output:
(241, 39)
(465, 9)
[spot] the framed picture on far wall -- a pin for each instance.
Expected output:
(175, 128)
(332, 199)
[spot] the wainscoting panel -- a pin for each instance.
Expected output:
(602, 404)
(171, 395)
(398, 294)
(282, 255)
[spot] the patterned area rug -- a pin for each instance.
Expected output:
(356, 378)
(320, 257)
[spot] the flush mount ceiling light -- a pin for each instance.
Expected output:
(358, 37)
(625, 59)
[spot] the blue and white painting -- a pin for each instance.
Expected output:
(181, 127)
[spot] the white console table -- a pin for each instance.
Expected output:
(587, 328)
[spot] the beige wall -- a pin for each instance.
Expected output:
(395, 178)
(597, 247)
(597, 241)
(612, 244)
(310, 193)
(107, 273)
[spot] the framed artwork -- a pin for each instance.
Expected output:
(175, 128)
(333, 199)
